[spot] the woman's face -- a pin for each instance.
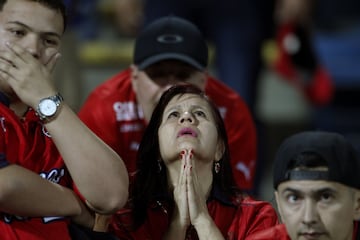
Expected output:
(188, 123)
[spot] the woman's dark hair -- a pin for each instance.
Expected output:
(57, 5)
(150, 183)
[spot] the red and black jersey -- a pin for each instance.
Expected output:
(236, 220)
(25, 142)
(112, 112)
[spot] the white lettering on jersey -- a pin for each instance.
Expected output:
(51, 219)
(131, 127)
(126, 111)
(7, 218)
(54, 175)
(45, 132)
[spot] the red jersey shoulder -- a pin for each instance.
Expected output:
(225, 98)
(220, 92)
(114, 100)
(250, 204)
(252, 216)
(117, 87)
(277, 232)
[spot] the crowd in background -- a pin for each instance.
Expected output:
(332, 45)
(179, 133)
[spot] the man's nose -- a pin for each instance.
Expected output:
(310, 213)
(31, 43)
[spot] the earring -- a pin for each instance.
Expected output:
(217, 167)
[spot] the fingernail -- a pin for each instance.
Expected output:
(191, 153)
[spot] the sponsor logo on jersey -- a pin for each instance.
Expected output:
(54, 175)
(45, 131)
(127, 111)
(131, 127)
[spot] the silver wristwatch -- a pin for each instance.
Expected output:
(48, 107)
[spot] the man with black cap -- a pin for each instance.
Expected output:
(169, 51)
(317, 186)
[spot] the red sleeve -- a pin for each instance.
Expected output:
(252, 216)
(242, 141)
(3, 160)
(262, 218)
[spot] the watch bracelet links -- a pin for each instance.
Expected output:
(58, 98)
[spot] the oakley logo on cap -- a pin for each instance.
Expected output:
(170, 38)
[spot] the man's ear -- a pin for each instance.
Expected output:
(357, 205)
(278, 205)
(134, 76)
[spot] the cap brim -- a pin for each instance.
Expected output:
(168, 56)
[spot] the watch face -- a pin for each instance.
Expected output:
(47, 107)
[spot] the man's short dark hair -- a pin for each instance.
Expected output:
(57, 5)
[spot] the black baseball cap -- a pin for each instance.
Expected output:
(342, 160)
(174, 38)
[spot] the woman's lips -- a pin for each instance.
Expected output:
(187, 131)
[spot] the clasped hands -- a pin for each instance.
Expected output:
(190, 200)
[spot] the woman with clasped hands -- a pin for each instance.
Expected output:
(184, 187)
